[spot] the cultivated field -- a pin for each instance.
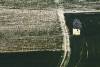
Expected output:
(29, 30)
(29, 4)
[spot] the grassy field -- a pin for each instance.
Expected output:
(33, 4)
